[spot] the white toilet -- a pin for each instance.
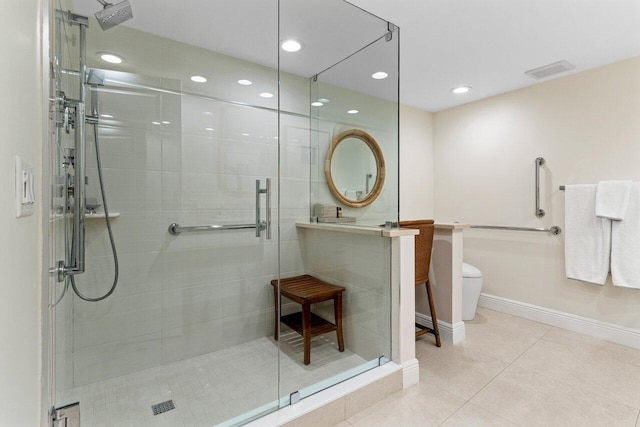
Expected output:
(471, 288)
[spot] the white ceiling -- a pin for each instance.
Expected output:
(486, 44)
(489, 44)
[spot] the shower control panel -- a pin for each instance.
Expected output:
(25, 194)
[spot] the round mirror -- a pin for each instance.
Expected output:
(355, 168)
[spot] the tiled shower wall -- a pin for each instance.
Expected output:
(183, 296)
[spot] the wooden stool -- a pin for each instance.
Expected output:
(307, 290)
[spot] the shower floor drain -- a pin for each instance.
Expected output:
(159, 408)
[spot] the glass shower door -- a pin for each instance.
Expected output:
(187, 335)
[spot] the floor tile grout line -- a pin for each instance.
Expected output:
(497, 375)
(454, 412)
(529, 348)
(611, 397)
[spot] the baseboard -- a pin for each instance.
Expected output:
(410, 373)
(448, 332)
(583, 325)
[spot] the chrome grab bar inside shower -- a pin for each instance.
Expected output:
(175, 229)
(555, 230)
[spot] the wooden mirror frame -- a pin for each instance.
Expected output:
(380, 168)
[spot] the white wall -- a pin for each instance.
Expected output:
(587, 127)
(416, 164)
(416, 174)
(20, 134)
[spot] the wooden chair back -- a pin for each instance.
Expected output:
(423, 245)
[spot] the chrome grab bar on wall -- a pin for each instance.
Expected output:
(555, 230)
(175, 229)
(539, 211)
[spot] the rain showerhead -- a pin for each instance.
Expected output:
(113, 14)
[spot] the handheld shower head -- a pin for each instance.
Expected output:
(113, 14)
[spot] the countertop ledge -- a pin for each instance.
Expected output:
(372, 231)
(451, 226)
(358, 229)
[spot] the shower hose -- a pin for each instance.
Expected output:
(71, 278)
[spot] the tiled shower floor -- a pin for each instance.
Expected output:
(211, 388)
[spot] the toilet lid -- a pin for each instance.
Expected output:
(469, 270)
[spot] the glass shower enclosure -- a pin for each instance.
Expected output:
(207, 145)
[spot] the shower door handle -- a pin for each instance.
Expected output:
(263, 225)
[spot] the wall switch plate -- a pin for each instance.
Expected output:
(25, 193)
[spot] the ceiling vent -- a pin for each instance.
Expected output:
(550, 70)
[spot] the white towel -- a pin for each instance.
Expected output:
(587, 238)
(612, 198)
(625, 244)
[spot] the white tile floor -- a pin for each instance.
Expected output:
(514, 372)
(211, 388)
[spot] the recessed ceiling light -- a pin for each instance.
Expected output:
(209, 129)
(111, 58)
(291, 45)
(317, 104)
(164, 122)
(198, 79)
(106, 116)
(461, 89)
(244, 82)
(323, 100)
(246, 134)
(266, 95)
(156, 123)
(379, 75)
(353, 112)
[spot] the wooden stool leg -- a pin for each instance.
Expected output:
(337, 311)
(306, 332)
(276, 325)
(434, 318)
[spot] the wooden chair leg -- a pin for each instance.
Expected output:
(306, 332)
(277, 320)
(337, 311)
(434, 318)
